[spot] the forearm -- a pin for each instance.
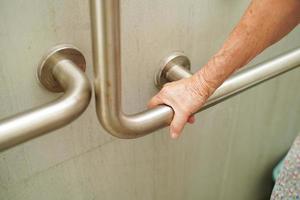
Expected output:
(264, 23)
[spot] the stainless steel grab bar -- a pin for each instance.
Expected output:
(62, 70)
(105, 19)
(176, 66)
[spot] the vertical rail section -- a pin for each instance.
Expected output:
(105, 20)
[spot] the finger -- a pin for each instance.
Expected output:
(177, 125)
(191, 119)
(155, 101)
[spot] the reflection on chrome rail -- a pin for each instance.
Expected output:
(59, 72)
(105, 20)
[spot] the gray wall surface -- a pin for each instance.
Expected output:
(227, 154)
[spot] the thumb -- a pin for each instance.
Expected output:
(191, 119)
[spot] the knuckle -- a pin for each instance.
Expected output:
(165, 89)
(166, 93)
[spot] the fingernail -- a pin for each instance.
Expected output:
(174, 135)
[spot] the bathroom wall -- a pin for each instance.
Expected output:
(227, 154)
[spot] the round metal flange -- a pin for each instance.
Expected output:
(64, 51)
(175, 58)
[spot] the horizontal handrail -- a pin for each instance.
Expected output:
(59, 73)
(239, 81)
(259, 73)
(105, 19)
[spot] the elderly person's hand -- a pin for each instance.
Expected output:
(264, 23)
(185, 96)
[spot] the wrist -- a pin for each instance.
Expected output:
(202, 86)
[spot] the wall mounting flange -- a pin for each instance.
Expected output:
(64, 51)
(173, 60)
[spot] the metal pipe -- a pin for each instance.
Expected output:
(251, 76)
(35, 122)
(105, 20)
(173, 69)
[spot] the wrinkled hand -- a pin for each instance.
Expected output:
(185, 96)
